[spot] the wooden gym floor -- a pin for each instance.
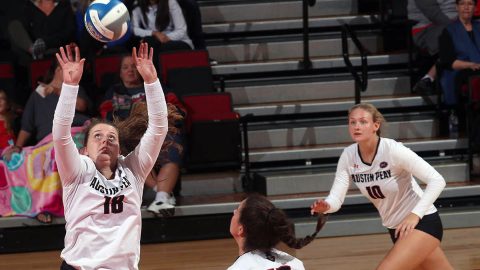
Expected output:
(462, 247)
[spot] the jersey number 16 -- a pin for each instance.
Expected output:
(113, 205)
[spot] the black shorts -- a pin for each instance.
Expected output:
(431, 224)
(66, 266)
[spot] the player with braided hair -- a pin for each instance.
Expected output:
(258, 226)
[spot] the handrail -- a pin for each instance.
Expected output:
(247, 182)
(306, 63)
(361, 83)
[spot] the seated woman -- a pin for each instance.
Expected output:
(459, 54)
(258, 226)
(124, 103)
(162, 25)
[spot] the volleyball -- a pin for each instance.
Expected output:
(107, 20)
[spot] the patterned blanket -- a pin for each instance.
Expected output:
(29, 182)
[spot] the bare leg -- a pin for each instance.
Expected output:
(164, 182)
(415, 251)
(167, 177)
(436, 260)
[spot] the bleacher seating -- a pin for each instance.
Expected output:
(7, 77)
(214, 131)
(38, 69)
(186, 72)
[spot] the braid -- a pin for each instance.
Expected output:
(266, 225)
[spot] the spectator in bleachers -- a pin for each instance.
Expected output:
(193, 18)
(45, 25)
(383, 170)
(459, 51)
(258, 227)
(162, 25)
(432, 16)
(120, 97)
(118, 104)
(38, 113)
(7, 117)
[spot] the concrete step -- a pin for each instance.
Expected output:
(371, 224)
(322, 132)
(273, 10)
(199, 184)
(296, 91)
(321, 180)
(293, 64)
(333, 105)
(246, 27)
(269, 50)
(335, 150)
(226, 207)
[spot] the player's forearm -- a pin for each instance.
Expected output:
(66, 153)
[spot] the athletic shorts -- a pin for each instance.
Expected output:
(431, 224)
(66, 266)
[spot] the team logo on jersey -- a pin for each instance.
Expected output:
(383, 164)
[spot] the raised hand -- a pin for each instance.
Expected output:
(319, 206)
(72, 67)
(143, 62)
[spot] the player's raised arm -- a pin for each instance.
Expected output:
(66, 154)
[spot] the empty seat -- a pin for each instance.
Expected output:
(214, 132)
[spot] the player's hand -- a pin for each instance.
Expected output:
(143, 62)
(72, 66)
(319, 206)
(406, 226)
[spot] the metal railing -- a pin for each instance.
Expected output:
(306, 63)
(361, 82)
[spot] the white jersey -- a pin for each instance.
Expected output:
(388, 181)
(257, 260)
(103, 217)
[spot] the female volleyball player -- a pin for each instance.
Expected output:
(382, 169)
(258, 226)
(102, 191)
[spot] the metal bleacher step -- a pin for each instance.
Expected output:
(334, 105)
(288, 24)
(284, 47)
(370, 223)
(200, 184)
(320, 131)
(281, 91)
(306, 180)
(293, 64)
(334, 150)
(236, 11)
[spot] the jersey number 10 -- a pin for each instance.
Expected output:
(375, 192)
